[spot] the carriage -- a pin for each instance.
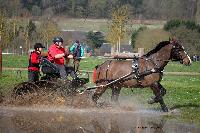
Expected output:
(50, 81)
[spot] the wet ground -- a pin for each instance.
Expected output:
(61, 119)
(53, 114)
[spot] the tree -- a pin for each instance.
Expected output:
(117, 25)
(98, 8)
(95, 39)
(36, 11)
(6, 31)
(2, 29)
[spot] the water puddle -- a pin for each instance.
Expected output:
(61, 119)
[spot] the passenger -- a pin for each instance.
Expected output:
(78, 52)
(34, 63)
(57, 55)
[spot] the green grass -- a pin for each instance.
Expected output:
(17, 61)
(10, 78)
(183, 92)
(177, 67)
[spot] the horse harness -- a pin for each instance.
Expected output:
(140, 75)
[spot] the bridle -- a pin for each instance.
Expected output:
(175, 52)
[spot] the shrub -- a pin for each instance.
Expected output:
(177, 23)
(135, 34)
(186, 31)
(172, 24)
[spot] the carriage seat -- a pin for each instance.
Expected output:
(48, 68)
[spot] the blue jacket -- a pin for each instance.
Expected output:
(77, 51)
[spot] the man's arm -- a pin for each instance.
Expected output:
(72, 48)
(59, 56)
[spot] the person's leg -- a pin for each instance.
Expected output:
(62, 71)
(76, 64)
(31, 76)
(71, 71)
(36, 75)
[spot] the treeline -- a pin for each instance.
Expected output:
(141, 9)
(18, 35)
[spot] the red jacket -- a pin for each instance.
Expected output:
(34, 61)
(53, 51)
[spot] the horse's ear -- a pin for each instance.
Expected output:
(174, 39)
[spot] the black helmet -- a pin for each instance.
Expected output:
(77, 41)
(57, 39)
(38, 45)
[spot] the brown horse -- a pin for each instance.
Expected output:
(145, 71)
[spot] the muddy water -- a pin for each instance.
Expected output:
(45, 119)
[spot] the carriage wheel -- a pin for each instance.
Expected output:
(46, 85)
(24, 88)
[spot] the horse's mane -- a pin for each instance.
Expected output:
(157, 48)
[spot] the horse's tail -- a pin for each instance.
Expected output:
(94, 77)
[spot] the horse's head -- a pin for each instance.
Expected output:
(178, 53)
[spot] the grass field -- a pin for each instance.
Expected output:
(14, 61)
(101, 24)
(183, 92)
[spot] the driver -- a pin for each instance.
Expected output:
(57, 55)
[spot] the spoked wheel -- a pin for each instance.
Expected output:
(46, 85)
(60, 88)
(24, 88)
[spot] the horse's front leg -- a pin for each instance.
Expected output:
(115, 94)
(159, 91)
(98, 92)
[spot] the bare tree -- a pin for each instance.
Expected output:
(117, 25)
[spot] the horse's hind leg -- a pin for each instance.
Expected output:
(158, 90)
(159, 93)
(115, 94)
